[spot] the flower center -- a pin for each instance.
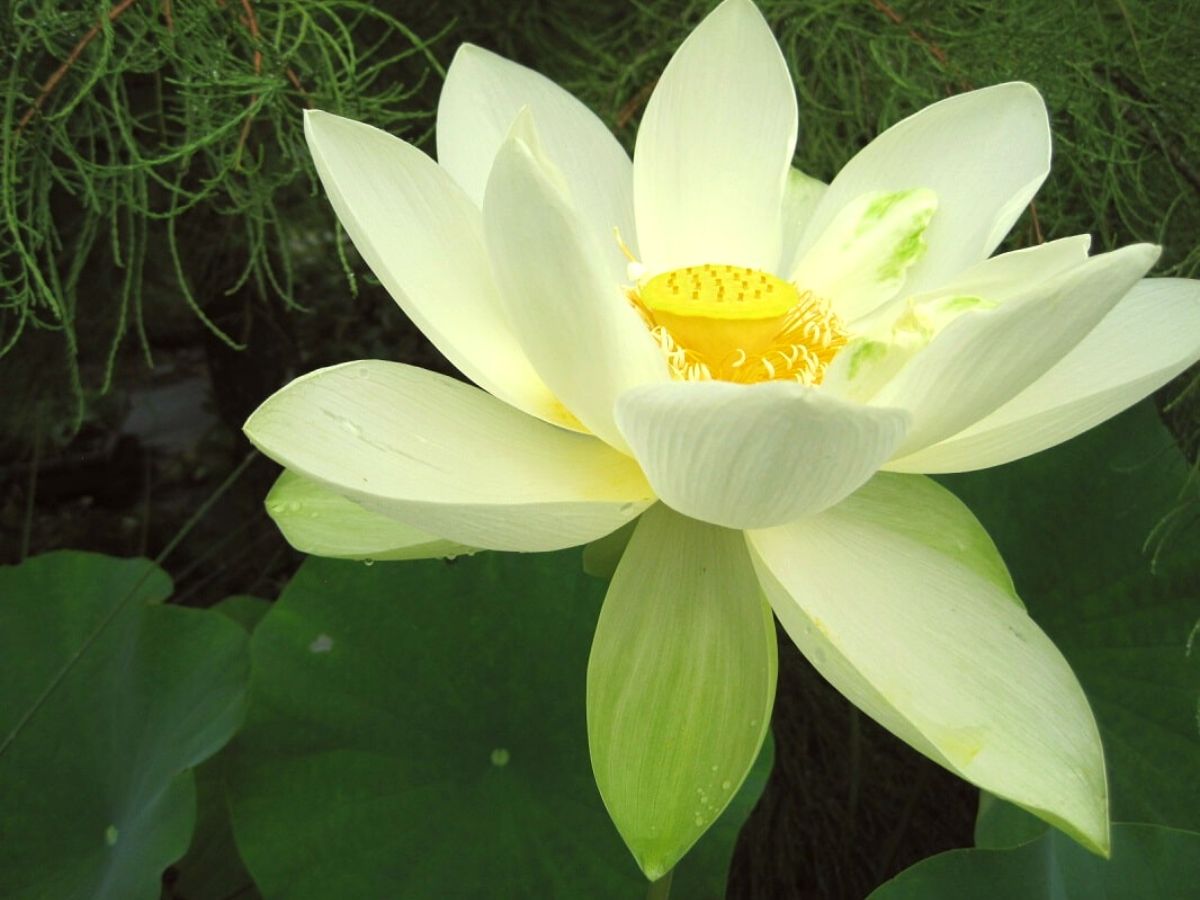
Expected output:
(730, 323)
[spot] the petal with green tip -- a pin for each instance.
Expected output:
(900, 600)
(322, 522)
(680, 684)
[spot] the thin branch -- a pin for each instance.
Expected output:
(58, 74)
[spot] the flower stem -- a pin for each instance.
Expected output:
(661, 889)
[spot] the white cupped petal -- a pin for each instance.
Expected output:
(985, 357)
(447, 458)
(319, 521)
(862, 258)
(480, 99)
(423, 239)
(715, 146)
(801, 195)
(1151, 336)
(913, 623)
(571, 317)
(892, 335)
(752, 456)
(983, 153)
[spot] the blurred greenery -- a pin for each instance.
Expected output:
(166, 164)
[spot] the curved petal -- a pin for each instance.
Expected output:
(572, 319)
(423, 239)
(892, 335)
(715, 147)
(752, 456)
(924, 638)
(1150, 336)
(986, 357)
(480, 99)
(983, 153)
(862, 258)
(316, 520)
(681, 680)
(446, 457)
(801, 195)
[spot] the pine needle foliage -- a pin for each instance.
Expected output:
(178, 111)
(127, 125)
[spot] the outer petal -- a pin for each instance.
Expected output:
(987, 356)
(927, 641)
(1151, 336)
(752, 456)
(423, 239)
(681, 680)
(481, 97)
(443, 455)
(984, 154)
(316, 520)
(892, 335)
(571, 317)
(715, 146)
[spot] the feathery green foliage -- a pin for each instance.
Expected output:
(168, 140)
(141, 138)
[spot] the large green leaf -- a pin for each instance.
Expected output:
(418, 730)
(212, 868)
(1077, 528)
(107, 701)
(1148, 862)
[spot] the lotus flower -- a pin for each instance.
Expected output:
(760, 369)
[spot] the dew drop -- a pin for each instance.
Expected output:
(500, 757)
(726, 785)
(110, 835)
(368, 562)
(715, 767)
(699, 819)
(322, 643)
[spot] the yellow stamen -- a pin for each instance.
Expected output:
(736, 324)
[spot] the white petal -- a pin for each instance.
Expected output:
(751, 456)
(481, 97)
(715, 146)
(862, 258)
(933, 647)
(448, 458)
(423, 239)
(888, 338)
(986, 357)
(316, 520)
(984, 154)
(1151, 336)
(801, 195)
(572, 318)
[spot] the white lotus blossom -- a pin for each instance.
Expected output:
(709, 335)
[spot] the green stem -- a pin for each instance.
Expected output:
(661, 889)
